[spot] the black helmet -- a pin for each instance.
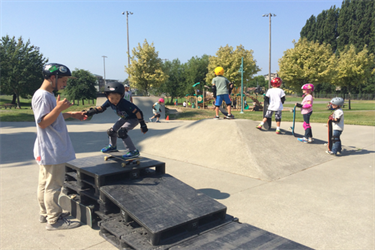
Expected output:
(56, 69)
(114, 87)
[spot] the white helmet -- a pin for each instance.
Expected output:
(337, 101)
(126, 86)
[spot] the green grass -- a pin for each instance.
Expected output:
(26, 114)
(361, 113)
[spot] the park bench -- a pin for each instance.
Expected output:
(8, 105)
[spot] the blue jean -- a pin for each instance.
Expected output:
(336, 147)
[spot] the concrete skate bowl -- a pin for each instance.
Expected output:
(236, 146)
(143, 103)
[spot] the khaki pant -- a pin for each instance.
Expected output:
(51, 179)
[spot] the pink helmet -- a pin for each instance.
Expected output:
(308, 86)
(161, 100)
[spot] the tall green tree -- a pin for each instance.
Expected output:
(307, 62)
(174, 85)
(82, 87)
(195, 70)
(230, 60)
(353, 68)
(21, 66)
(145, 69)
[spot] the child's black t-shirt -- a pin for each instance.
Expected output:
(124, 109)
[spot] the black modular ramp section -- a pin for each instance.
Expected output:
(164, 206)
(235, 235)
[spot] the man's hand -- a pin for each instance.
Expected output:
(62, 105)
(144, 128)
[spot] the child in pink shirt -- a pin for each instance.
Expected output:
(306, 111)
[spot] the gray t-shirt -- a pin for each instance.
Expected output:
(52, 145)
(221, 85)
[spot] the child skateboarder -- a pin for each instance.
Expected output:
(156, 110)
(52, 148)
(337, 119)
(130, 116)
(220, 90)
(276, 99)
(306, 110)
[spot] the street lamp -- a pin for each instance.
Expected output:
(104, 57)
(127, 28)
(269, 59)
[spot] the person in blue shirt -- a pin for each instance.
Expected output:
(130, 116)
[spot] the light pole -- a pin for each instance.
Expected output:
(127, 28)
(269, 59)
(104, 57)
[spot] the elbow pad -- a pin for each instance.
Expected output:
(266, 99)
(214, 90)
(283, 99)
(306, 106)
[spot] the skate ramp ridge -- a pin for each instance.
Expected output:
(143, 103)
(236, 146)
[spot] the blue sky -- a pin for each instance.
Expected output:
(79, 33)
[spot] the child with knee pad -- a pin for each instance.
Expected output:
(276, 99)
(337, 119)
(221, 90)
(130, 116)
(306, 110)
(156, 110)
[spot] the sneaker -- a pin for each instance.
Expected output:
(310, 140)
(62, 224)
(131, 154)
(278, 131)
(158, 121)
(151, 120)
(109, 148)
(43, 218)
(338, 153)
(259, 126)
(330, 152)
(303, 139)
(230, 116)
(217, 117)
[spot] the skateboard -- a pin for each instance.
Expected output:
(329, 143)
(268, 123)
(79, 211)
(117, 156)
(225, 113)
(294, 120)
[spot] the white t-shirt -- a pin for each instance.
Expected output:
(128, 95)
(52, 145)
(275, 95)
(338, 125)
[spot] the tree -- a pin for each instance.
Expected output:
(307, 62)
(230, 60)
(145, 70)
(83, 87)
(353, 68)
(21, 67)
(195, 71)
(173, 86)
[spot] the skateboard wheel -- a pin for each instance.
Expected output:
(138, 162)
(106, 158)
(123, 164)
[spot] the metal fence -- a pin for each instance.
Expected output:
(359, 96)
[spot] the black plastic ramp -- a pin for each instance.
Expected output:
(164, 206)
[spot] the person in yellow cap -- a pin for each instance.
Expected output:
(220, 89)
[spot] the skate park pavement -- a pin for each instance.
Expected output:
(270, 181)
